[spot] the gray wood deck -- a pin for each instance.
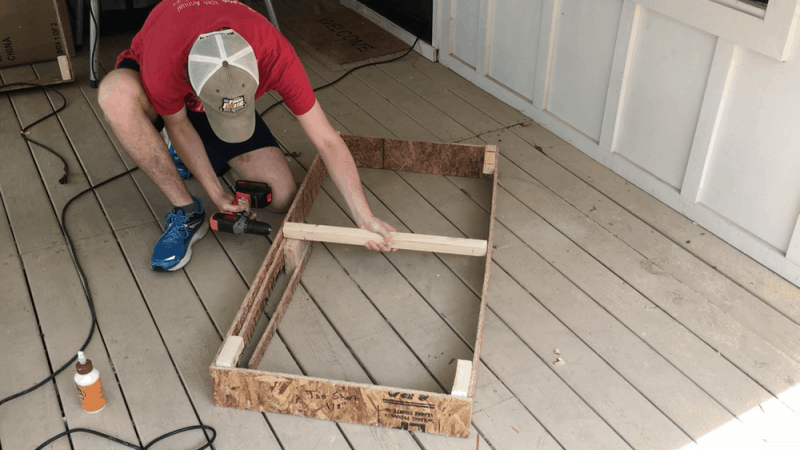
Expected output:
(671, 337)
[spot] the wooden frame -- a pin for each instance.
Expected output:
(345, 401)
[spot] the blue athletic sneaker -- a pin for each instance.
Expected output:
(183, 171)
(174, 249)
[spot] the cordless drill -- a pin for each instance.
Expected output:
(257, 195)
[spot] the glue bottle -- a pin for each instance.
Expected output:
(90, 389)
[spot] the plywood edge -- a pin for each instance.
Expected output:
(256, 286)
(280, 310)
(342, 401)
(473, 382)
(402, 241)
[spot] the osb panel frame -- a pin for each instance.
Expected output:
(248, 388)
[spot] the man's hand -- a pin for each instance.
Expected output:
(225, 203)
(378, 226)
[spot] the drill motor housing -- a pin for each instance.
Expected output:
(257, 195)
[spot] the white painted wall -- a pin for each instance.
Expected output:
(702, 122)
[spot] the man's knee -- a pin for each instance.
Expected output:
(121, 95)
(282, 197)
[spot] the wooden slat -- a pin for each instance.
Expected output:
(402, 241)
(341, 401)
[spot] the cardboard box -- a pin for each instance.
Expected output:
(32, 31)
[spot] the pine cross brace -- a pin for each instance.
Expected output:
(248, 388)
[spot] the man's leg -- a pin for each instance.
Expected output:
(268, 165)
(131, 116)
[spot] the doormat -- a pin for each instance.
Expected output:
(345, 36)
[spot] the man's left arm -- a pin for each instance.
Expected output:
(343, 171)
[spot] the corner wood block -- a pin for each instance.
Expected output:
(293, 250)
(231, 351)
(342, 401)
(490, 160)
(463, 374)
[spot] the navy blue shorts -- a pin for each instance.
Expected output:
(219, 152)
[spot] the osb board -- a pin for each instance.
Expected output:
(417, 156)
(341, 401)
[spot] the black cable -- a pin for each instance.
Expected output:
(128, 444)
(82, 275)
(93, 82)
(25, 132)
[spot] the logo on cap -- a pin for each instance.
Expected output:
(231, 105)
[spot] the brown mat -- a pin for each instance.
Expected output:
(345, 36)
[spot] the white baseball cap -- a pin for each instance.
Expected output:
(223, 71)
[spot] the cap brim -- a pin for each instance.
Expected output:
(234, 129)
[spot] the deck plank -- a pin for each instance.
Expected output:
(475, 120)
(65, 319)
(731, 263)
(30, 105)
(32, 419)
(477, 97)
(434, 120)
(756, 357)
(741, 305)
(23, 190)
(664, 385)
(504, 354)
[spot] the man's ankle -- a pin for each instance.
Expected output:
(191, 207)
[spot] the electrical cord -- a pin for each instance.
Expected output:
(82, 276)
(25, 132)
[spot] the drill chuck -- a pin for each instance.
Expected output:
(238, 224)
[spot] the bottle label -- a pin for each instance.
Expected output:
(92, 397)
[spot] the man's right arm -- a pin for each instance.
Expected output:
(190, 149)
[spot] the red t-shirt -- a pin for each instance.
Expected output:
(162, 47)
